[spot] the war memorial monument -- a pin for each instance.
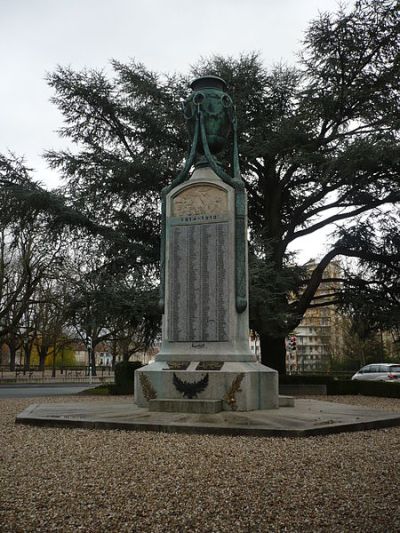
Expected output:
(205, 379)
(205, 364)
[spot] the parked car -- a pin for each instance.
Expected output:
(379, 372)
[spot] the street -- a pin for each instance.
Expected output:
(29, 390)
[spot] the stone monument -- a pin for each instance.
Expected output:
(205, 364)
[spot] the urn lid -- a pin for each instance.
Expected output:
(208, 82)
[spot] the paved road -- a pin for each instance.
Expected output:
(28, 391)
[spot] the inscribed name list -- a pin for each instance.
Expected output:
(198, 282)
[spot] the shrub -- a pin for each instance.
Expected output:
(345, 386)
(342, 387)
(366, 388)
(379, 388)
(125, 377)
(299, 379)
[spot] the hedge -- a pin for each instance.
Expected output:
(299, 379)
(125, 377)
(366, 388)
(345, 386)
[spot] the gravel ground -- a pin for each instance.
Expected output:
(73, 480)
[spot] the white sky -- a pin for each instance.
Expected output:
(166, 35)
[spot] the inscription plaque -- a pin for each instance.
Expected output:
(198, 282)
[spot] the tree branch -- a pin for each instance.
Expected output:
(323, 304)
(306, 298)
(393, 197)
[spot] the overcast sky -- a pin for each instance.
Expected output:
(166, 35)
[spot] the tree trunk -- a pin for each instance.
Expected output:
(273, 352)
(13, 354)
(114, 353)
(53, 370)
(27, 358)
(42, 356)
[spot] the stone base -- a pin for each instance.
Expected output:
(306, 418)
(239, 386)
(186, 406)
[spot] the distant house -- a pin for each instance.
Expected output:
(81, 354)
(4, 355)
(102, 352)
(104, 356)
(149, 355)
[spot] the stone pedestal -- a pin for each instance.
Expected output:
(205, 354)
(238, 386)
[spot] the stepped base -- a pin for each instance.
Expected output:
(286, 401)
(200, 406)
(186, 406)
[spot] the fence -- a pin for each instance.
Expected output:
(104, 374)
(339, 374)
(66, 374)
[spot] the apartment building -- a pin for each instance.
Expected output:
(319, 336)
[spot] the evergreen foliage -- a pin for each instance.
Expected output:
(372, 295)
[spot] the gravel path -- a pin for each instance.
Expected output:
(73, 480)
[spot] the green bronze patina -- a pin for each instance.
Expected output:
(210, 118)
(210, 99)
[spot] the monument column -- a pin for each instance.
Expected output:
(205, 363)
